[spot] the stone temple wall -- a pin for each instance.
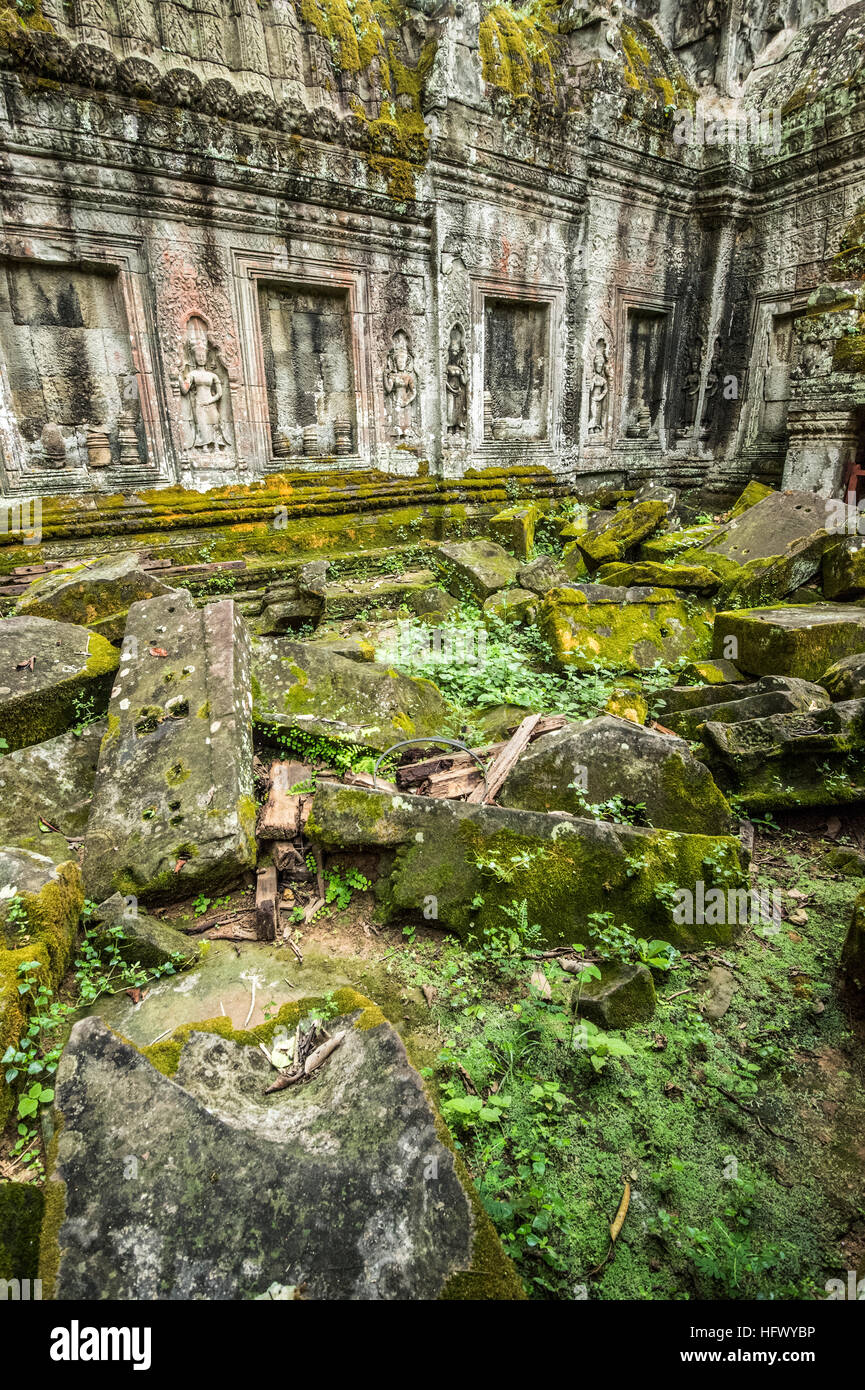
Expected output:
(243, 237)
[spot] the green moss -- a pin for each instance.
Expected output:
(21, 1210)
(517, 49)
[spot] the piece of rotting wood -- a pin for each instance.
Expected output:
(266, 903)
(282, 816)
(504, 761)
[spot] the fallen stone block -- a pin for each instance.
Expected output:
(324, 1186)
(716, 996)
(659, 576)
(543, 574)
(667, 545)
(515, 528)
(769, 695)
(718, 672)
(847, 860)
(843, 571)
(49, 785)
(139, 938)
(94, 593)
(431, 603)
(789, 641)
(173, 808)
(51, 675)
(632, 629)
(801, 759)
(607, 759)
(352, 596)
(301, 686)
(853, 950)
(465, 862)
(624, 995)
(476, 568)
(753, 493)
(625, 529)
(845, 679)
(512, 606)
(48, 899)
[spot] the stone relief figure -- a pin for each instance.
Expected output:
(457, 382)
(713, 382)
(400, 385)
(776, 378)
(691, 386)
(599, 389)
(204, 388)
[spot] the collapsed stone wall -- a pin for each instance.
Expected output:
(239, 239)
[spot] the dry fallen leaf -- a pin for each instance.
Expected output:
(136, 994)
(541, 984)
(158, 651)
(799, 917)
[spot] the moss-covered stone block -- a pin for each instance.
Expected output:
(514, 528)
(795, 640)
(630, 629)
(753, 493)
(54, 674)
(622, 532)
(512, 606)
(624, 995)
(476, 569)
(656, 575)
(853, 950)
(94, 593)
(843, 574)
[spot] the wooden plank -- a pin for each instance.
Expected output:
(366, 779)
(412, 773)
(454, 782)
(505, 760)
(266, 904)
(286, 857)
(284, 814)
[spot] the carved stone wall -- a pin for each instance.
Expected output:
(237, 238)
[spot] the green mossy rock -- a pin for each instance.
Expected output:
(770, 695)
(21, 1208)
(844, 569)
(52, 896)
(767, 551)
(352, 596)
(49, 784)
(660, 576)
(630, 525)
(667, 545)
(573, 565)
(848, 861)
(753, 493)
(512, 606)
(95, 594)
(71, 673)
(791, 640)
(624, 995)
(431, 604)
(629, 629)
(354, 1149)
(543, 574)
(717, 672)
(621, 759)
(803, 759)
(300, 685)
(514, 528)
(474, 860)
(145, 940)
(845, 679)
(476, 569)
(173, 810)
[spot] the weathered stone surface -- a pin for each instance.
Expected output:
(514, 528)
(770, 695)
(620, 759)
(624, 995)
(749, 497)
(53, 783)
(173, 808)
(768, 550)
(591, 625)
(718, 672)
(431, 603)
(71, 673)
(844, 569)
(717, 993)
(845, 679)
(629, 526)
(457, 854)
(659, 576)
(51, 897)
(387, 591)
(847, 860)
(667, 545)
(512, 605)
(790, 641)
(324, 1185)
(792, 759)
(476, 568)
(144, 940)
(543, 574)
(96, 593)
(300, 686)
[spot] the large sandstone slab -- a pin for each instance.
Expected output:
(464, 863)
(592, 625)
(49, 784)
(799, 759)
(476, 568)
(600, 759)
(303, 686)
(50, 675)
(340, 1187)
(173, 808)
(796, 640)
(95, 593)
(769, 695)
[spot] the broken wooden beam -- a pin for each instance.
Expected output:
(285, 813)
(505, 760)
(266, 904)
